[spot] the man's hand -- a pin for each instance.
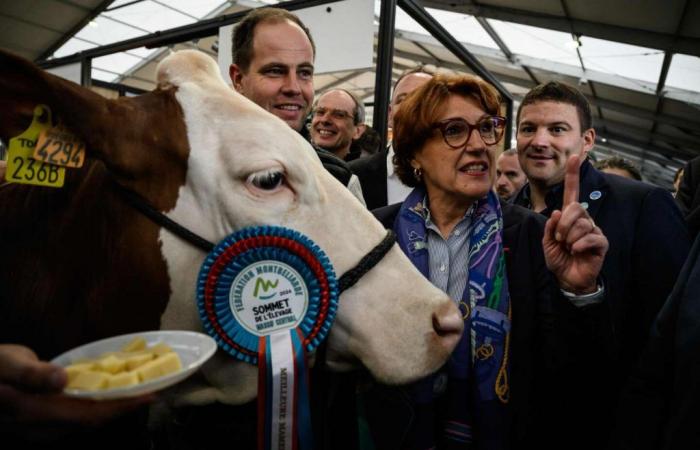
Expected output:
(574, 247)
(3, 167)
(30, 392)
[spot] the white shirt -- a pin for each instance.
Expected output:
(356, 189)
(396, 191)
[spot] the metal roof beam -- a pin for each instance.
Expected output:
(682, 124)
(73, 31)
(617, 81)
(652, 149)
(664, 41)
(504, 48)
(631, 150)
(443, 36)
(634, 134)
(197, 30)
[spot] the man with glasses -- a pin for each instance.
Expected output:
(273, 65)
(648, 245)
(338, 120)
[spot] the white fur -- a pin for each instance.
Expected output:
(384, 322)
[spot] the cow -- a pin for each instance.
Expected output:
(80, 263)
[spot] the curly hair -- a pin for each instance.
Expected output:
(413, 122)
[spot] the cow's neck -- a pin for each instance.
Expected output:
(93, 267)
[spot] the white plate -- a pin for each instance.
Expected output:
(193, 348)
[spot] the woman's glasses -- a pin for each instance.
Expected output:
(456, 132)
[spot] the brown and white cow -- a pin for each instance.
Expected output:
(78, 263)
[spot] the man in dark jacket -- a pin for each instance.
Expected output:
(648, 245)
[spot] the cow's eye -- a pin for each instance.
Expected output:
(268, 180)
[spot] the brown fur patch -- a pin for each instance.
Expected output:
(78, 264)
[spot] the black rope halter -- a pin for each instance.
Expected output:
(346, 281)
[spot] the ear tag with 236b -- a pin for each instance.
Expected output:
(21, 167)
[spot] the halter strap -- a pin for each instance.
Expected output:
(346, 281)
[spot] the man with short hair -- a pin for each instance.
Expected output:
(510, 178)
(380, 185)
(338, 120)
(273, 65)
(648, 245)
(616, 165)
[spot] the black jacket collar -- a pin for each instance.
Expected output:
(592, 190)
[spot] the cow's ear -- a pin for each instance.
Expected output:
(86, 114)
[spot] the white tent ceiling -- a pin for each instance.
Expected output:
(637, 61)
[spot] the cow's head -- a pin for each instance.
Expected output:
(215, 163)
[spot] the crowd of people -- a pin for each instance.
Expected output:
(575, 336)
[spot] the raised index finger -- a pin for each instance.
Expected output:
(571, 181)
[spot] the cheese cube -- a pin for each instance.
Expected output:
(122, 380)
(89, 380)
(135, 344)
(164, 365)
(111, 364)
(138, 359)
(74, 369)
(160, 349)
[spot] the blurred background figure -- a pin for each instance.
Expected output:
(366, 145)
(509, 176)
(687, 185)
(616, 165)
(677, 180)
(380, 185)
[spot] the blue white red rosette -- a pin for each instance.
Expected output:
(224, 297)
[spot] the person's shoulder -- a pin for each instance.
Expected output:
(362, 164)
(632, 189)
(515, 215)
(387, 214)
(336, 166)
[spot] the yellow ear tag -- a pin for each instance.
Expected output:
(59, 147)
(21, 168)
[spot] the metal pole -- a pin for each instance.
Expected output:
(197, 30)
(385, 60)
(509, 124)
(432, 26)
(86, 72)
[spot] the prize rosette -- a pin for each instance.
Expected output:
(268, 295)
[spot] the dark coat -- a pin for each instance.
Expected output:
(661, 404)
(534, 349)
(648, 246)
(688, 196)
(372, 174)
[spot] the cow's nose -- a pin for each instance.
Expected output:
(448, 323)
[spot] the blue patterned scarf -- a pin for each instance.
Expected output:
(471, 414)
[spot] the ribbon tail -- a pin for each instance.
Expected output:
(302, 408)
(264, 394)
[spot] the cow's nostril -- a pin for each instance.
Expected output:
(447, 321)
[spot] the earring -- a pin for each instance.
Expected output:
(417, 173)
